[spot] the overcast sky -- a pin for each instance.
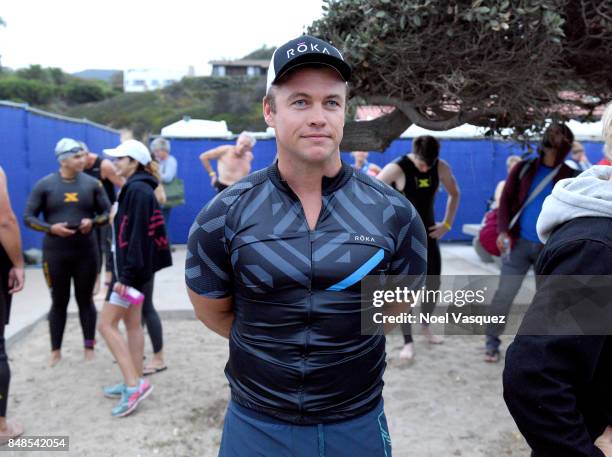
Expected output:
(121, 34)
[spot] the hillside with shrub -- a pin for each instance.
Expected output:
(236, 100)
(51, 88)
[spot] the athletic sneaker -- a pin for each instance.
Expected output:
(114, 391)
(131, 397)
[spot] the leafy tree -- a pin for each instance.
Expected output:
(263, 53)
(23, 90)
(83, 92)
(492, 63)
(35, 73)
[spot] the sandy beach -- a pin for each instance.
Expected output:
(446, 403)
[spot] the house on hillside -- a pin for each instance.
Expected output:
(142, 80)
(242, 67)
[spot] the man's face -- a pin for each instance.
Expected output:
(421, 165)
(243, 145)
(76, 163)
(160, 154)
(309, 118)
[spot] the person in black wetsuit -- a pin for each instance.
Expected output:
(417, 175)
(72, 205)
(103, 170)
(12, 279)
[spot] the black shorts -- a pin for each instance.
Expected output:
(220, 186)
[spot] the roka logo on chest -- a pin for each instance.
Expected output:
(364, 238)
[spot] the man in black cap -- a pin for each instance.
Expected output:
(275, 264)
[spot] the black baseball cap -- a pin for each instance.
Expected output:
(303, 51)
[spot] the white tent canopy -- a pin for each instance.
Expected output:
(196, 128)
(583, 131)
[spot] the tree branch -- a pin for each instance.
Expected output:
(455, 119)
(374, 135)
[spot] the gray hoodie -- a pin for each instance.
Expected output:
(589, 194)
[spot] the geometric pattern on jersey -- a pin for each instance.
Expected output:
(297, 292)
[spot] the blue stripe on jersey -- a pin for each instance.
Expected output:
(360, 272)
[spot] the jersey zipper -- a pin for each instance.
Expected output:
(310, 304)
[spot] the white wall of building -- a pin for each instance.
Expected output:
(142, 80)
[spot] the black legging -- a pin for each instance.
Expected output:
(5, 371)
(103, 240)
(63, 260)
(151, 319)
(434, 268)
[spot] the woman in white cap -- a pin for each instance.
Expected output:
(71, 204)
(140, 249)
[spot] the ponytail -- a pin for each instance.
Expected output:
(153, 169)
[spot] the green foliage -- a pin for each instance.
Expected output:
(263, 53)
(23, 90)
(51, 88)
(84, 92)
(35, 73)
(236, 100)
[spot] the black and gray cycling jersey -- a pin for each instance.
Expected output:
(296, 347)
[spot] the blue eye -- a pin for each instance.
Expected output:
(300, 103)
(333, 103)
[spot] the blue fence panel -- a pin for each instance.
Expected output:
(594, 150)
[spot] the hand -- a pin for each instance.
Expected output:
(61, 229)
(604, 442)
(121, 289)
(437, 231)
(213, 180)
(502, 244)
(86, 226)
(16, 279)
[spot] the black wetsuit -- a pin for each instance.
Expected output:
(420, 188)
(74, 257)
(5, 307)
(103, 232)
(297, 351)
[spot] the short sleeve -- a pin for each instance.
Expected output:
(410, 256)
(207, 265)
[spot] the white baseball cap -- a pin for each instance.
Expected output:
(131, 148)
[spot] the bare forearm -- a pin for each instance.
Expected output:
(220, 323)
(452, 204)
(10, 239)
(206, 163)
